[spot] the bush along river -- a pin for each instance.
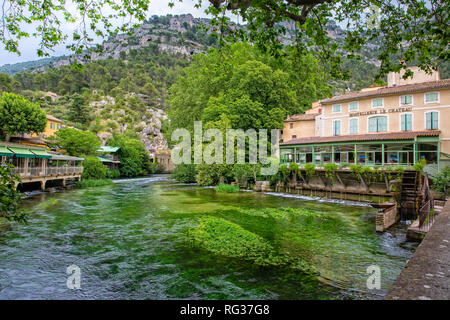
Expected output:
(153, 238)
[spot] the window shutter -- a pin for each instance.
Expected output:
(372, 124)
(435, 120)
(383, 124)
(428, 121)
(409, 122)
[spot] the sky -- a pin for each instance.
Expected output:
(28, 46)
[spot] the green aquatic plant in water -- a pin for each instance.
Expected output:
(231, 240)
(304, 240)
(227, 188)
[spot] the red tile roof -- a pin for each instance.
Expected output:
(409, 135)
(390, 90)
(302, 117)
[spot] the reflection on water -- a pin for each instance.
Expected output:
(129, 240)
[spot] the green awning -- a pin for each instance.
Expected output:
(104, 159)
(5, 152)
(22, 153)
(40, 153)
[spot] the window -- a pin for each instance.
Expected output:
(378, 124)
(432, 120)
(431, 97)
(294, 137)
(58, 126)
(353, 126)
(336, 108)
(406, 99)
(52, 125)
(352, 106)
(406, 122)
(336, 127)
(291, 125)
(377, 103)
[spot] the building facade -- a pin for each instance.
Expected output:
(400, 124)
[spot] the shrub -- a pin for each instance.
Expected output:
(329, 170)
(10, 198)
(441, 182)
(227, 188)
(112, 174)
(184, 173)
(310, 169)
(357, 170)
(419, 166)
(93, 169)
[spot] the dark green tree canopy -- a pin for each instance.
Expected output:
(409, 31)
(246, 88)
(18, 115)
(77, 142)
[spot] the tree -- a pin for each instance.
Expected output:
(134, 158)
(8, 84)
(77, 142)
(250, 88)
(78, 111)
(18, 115)
(408, 31)
(93, 168)
(10, 198)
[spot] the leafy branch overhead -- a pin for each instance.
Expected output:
(407, 31)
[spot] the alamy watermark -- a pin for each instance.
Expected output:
(209, 145)
(374, 279)
(74, 277)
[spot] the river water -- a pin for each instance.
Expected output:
(131, 240)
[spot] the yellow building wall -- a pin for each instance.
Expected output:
(51, 128)
(300, 129)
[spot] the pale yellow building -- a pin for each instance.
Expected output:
(53, 125)
(398, 124)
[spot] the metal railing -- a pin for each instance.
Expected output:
(48, 171)
(426, 211)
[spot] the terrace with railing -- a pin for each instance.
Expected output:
(48, 171)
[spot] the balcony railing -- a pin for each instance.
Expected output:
(49, 171)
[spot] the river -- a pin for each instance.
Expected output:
(133, 240)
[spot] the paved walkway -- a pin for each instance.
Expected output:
(427, 274)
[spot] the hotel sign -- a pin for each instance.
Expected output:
(380, 111)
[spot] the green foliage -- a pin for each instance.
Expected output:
(249, 88)
(10, 198)
(112, 174)
(18, 115)
(89, 183)
(357, 170)
(243, 173)
(8, 84)
(93, 169)
(134, 158)
(228, 188)
(77, 142)
(330, 168)
(419, 166)
(441, 182)
(184, 173)
(310, 169)
(78, 111)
